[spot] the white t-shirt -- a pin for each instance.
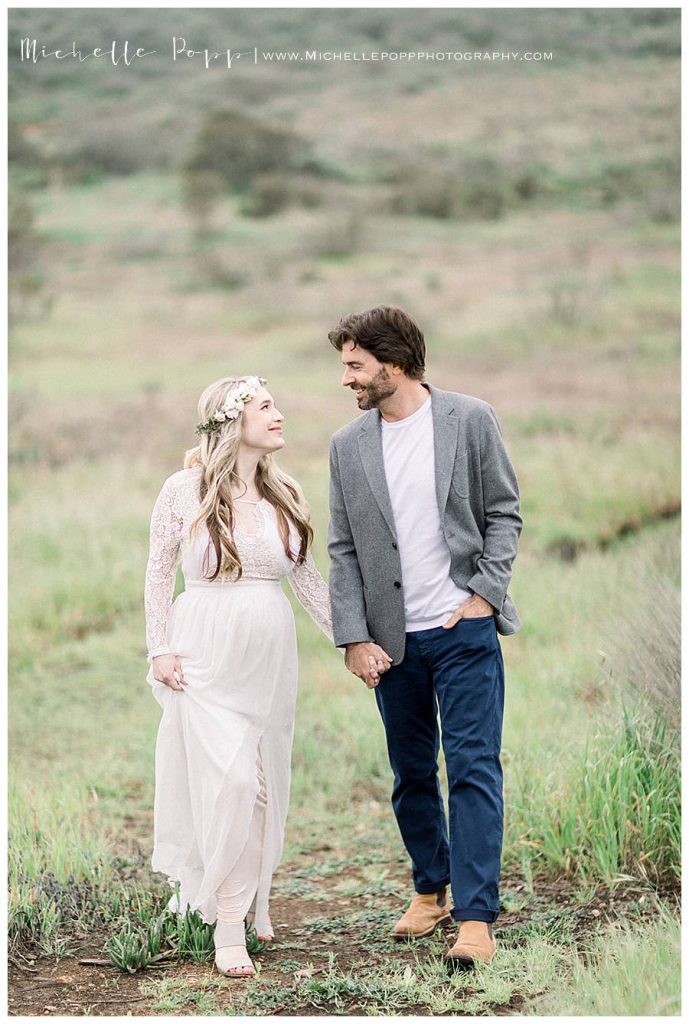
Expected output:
(430, 596)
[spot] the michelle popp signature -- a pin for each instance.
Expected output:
(123, 53)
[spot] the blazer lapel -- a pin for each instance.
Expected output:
(445, 429)
(371, 452)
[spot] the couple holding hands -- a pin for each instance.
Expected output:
(424, 524)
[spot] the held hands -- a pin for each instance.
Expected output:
(473, 608)
(167, 668)
(368, 661)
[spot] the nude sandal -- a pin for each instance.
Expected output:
(234, 962)
(231, 957)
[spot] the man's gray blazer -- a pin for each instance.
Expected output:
(478, 500)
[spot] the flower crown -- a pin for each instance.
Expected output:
(234, 404)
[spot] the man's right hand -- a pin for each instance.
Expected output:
(167, 668)
(368, 661)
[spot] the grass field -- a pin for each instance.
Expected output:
(563, 315)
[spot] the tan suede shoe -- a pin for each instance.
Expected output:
(424, 915)
(475, 942)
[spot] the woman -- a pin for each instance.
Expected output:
(224, 662)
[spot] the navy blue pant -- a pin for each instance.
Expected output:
(459, 672)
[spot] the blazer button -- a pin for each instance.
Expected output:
(394, 545)
(397, 584)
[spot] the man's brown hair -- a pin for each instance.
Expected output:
(387, 333)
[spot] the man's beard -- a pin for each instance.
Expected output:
(379, 388)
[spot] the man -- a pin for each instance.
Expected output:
(424, 523)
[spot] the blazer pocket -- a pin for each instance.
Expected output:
(460, 475)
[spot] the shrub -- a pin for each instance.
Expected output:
(239, 147)
(475, 189)
(340, 238)
(26, 277)
(200, 192)
(269, 193)
(20, 235)
(23, 155)
(646, 181)
(109, 145)
(424, 191)
(530, 181)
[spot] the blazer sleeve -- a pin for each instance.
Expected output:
(345, 581)
(503, 522)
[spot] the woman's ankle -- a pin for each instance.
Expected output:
(229, 933)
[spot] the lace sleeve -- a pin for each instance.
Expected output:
(312, 593)
(166, 533)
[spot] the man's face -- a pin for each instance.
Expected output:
(368, 379)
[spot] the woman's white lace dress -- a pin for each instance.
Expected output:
(235, 718)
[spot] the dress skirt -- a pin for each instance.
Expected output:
(237, 645)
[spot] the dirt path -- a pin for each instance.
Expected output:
(333, 949)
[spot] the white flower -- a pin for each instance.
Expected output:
(244, 392)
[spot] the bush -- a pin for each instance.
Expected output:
(20, 234)
(25, 155)
(618, 181)
(109, 145)
(663, 205)
(530, 181)
(424, 192)
(484, 188)
(340, 238)
(200, 192)
(26, 277)
(269, 194)
(239, 147)
(308, 192)
(474, 190)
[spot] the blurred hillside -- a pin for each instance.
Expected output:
(596, 128)
(602, 115)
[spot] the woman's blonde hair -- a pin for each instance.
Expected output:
(217, 455)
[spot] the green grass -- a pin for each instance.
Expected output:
(627, 972)
(60, 868)
(615, 813)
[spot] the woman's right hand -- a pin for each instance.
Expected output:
(167, 668)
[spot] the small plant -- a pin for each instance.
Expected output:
(253, 943)
(194, 937)
(136, 946)
(146, 940)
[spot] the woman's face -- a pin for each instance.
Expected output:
(262, 423)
